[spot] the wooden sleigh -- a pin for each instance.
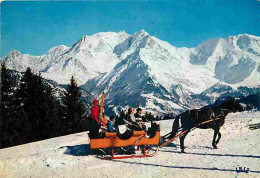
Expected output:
(139, 138)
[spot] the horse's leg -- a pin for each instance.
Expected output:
(219, 136)
(214, 138)
(182, 142)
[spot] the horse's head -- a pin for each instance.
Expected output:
(239, 107)
(232, 105)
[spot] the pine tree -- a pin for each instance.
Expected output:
(48, 107)
(25, 99)
(38, 108)
(74, 109)
(8, 122)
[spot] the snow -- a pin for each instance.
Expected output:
(112, 62)
(168, 66)
(101, 52)
(151, 99)
(195, 70)
(70, 156)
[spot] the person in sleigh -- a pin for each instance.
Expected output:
(98, 120)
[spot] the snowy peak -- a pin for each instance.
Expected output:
(140, 66)
(100, 41)
(174, 73)
(136, 86)
(233, 60)
(249, 43)
(244, 41)
(15, 60)
(201, 53)
(14, 54)
(58, 49)
(139, 35)
(87, 58)
(141, 32)
(239, 60)
(132, 44)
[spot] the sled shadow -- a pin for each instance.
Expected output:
(78, 150)
(184, 167)
(207, 147)
(208, 154)
(172, 145)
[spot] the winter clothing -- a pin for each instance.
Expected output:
(95, 126)
(111, 126)
(95, 111)
(94, 129)
(138, 117)
(131, 118)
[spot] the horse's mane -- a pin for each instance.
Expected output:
(221, 107)
(217, 107)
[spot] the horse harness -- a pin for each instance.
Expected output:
(211, 115)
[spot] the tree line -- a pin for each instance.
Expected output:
(30, 111)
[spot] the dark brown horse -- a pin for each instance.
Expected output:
(193, 118)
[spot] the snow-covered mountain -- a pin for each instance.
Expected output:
(143, 70)
(234, 60)
(87, 58)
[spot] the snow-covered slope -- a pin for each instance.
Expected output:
(89, 57)
(234, 60)
(70, 156)
(142, 69)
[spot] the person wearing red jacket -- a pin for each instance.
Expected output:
(95, 121)
(95, 111)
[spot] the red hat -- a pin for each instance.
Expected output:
(95, 102)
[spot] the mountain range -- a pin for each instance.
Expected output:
(142, 70)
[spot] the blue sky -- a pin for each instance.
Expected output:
(35, 27)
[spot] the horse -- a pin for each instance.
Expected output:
(193, 119)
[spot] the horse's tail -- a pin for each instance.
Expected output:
(175, 127)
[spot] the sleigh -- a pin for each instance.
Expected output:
(113, 140)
